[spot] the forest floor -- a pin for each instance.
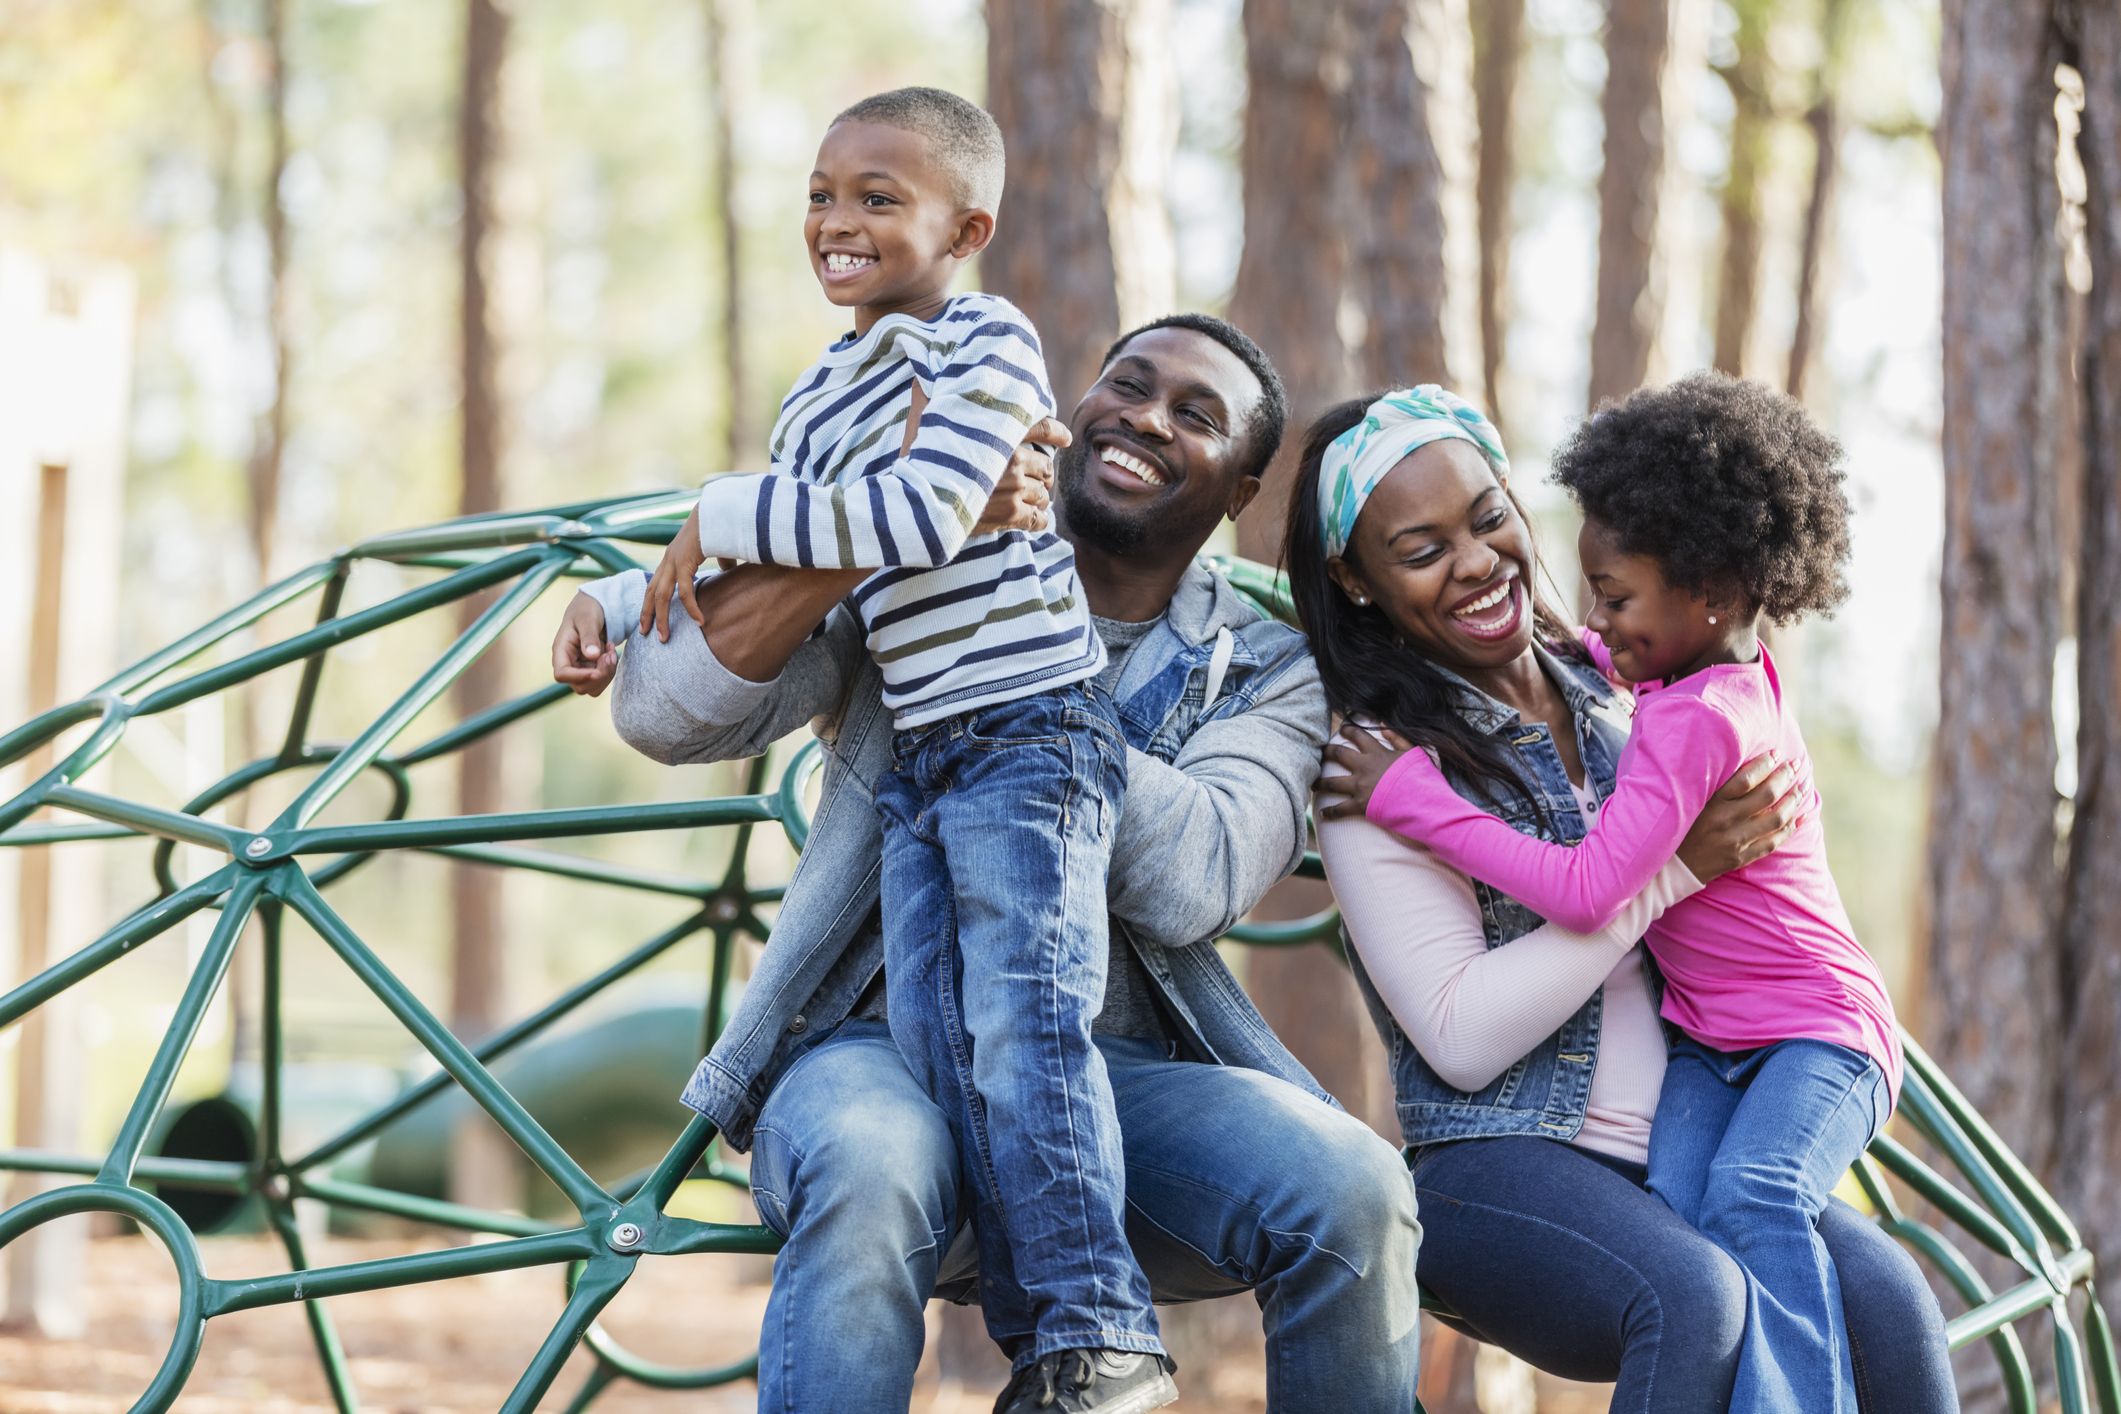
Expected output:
(456, 1347)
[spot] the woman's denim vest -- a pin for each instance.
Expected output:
(1545, 1092)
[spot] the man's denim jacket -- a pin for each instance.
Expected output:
(1213, 815)
(1545, 1092)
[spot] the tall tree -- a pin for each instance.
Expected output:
(1409, 157)
(1498, 54)
(2090, 1115)
(481, 1162)
(1294, 265)
(1994, 990)
(1056, 83)
(1749, 77)
(1629, 302)
(1823, 121)
(727, 67)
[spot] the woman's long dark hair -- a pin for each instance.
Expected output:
(1369, 672)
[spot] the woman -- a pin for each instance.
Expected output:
(1527, 1060)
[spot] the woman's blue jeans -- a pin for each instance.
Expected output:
(998, 827)
(1563, 1258)
(1747, 1147)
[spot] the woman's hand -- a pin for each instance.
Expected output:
(1748, 819)
(1360, 752)
(1023, 497)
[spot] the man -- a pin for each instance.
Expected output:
(1240, 1172)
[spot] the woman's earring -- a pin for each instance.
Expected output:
(1712, 618)
(1364, 601)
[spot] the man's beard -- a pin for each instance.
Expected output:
(1092, 521)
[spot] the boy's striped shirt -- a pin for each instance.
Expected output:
(955, 621)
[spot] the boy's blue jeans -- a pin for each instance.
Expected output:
(1747, 1147)
(998, 827)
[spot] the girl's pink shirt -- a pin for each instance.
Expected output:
(1764, 954)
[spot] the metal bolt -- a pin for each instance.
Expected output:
(258, 847)
(625, 1237)
(724, 910)
(572, 528)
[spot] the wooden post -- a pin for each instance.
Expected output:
(44, 1266)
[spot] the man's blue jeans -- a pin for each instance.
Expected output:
(998, 828)
(1748, 1147)
(1235, 1181)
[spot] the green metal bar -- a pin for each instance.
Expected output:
(679, 1237)
(368, 1198)
(46, 726)
(214, 630)
(486, 723)
(478, 1082)
(183, 1027)
(249, 1293)
(568, 866)
(142, 924)
(2040, 1204)
(2099, 1343)
(591, 1295)
(271, 1046)
(1316, 928)
(532, 825)
(576, 570)
(210, 1175)
(330, 1354)
(333, 632)
(660, 505)
(601, 1378)
(475, 533)
(146, 819)
(1937, 1190)
(795, 820)
(609, 558)
(115, 714)
(2015, 1370)
(679, 1161)
(1921, 1106)
(32, 836)
(499, 1044)
(2069, 1360)
(2014, 1304)
(542, 568)
(312, 672)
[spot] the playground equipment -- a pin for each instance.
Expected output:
(290, 864)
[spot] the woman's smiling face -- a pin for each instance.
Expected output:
(1442, 552)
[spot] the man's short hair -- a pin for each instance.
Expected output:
(965, 139)
(1269, 418)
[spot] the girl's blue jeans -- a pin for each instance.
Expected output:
(998, 827)
(1747, 1147)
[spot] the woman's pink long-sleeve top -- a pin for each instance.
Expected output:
(1764, 954)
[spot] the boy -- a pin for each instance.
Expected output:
(1008, 765)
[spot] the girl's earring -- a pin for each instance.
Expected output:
(1712, 618)
(1364, 601)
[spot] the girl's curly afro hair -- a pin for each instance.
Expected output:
(1726, 484)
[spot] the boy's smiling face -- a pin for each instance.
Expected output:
(884, 227)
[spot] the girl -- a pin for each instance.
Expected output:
(1707, 505)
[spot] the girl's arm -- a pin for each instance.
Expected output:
(1681, 751)
(1471, 1010)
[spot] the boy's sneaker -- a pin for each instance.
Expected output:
(1082, 1381)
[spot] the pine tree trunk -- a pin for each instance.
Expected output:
(1629, 304)
(1056, 84)
(1752, 120)
(1824, 123)
(2090, 1143)
(481, 1159)
(727, 23)
(1994, 972)
(1498, 53)
(1293, 270)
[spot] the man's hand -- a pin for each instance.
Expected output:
(1748, 819)
(1023, 497)
(1366, 758)
(580, 657)
(679, 567)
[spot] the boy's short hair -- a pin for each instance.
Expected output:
(964, 137)
(1270, 416)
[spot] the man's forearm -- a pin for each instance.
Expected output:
(758, 615)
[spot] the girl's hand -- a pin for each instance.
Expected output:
(1360, 752)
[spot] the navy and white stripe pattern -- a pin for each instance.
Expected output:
(955, 621)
